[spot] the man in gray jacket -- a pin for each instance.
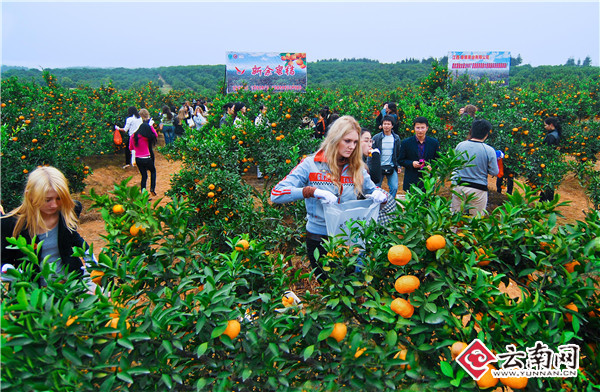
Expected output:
(472, 179)
(388, 143)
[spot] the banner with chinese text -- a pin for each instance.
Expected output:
(262, 71)
(493, 65)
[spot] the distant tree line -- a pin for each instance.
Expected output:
(359, 73)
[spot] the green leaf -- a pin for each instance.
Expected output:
(22, 297)
(447, 369)
(71, 356)
(324, 334)
(332, 303)
(125, 342)
(202, 349)
(308, 352)
(575, 324)
(434, 318)
(246, 374)
(167, 380)
(431, 307)
(306, 327)
(125, 377)
(274, 349)
(391, 338)
(346, 302)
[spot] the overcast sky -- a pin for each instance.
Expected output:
(152, 34)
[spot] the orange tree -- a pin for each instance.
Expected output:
(170, 301)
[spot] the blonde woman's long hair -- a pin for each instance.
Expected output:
(39, 182)
(181, 115)
(329, 146)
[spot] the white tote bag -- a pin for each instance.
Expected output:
(339, 216)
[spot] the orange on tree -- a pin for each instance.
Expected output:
(514, 382)
(435, 242)
(71, 320)
(134, 230)
(359, 352)
(211, 187)
(399, 255)
(487, 380)
(402, 307)
(113, 323)
(407, 284)
(339, 331)
(242, 245)
(571, 266)
(480, 255)
(210, 195)
(97, 276)
(402, 355)
(568, 315)
(118, 209)
(457, 348)
(233, 329)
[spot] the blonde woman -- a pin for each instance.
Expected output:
(334, 174)
(49, 214)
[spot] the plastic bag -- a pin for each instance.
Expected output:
(132, 157)
(117, 137)
(337, 216)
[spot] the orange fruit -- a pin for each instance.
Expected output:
(135, 230)
(210, 195)
(514, 382)
(213, 165)
(402, 307)
(571, 266)
(487, 380)
(118, 209)
(211, 186)
(399, 255)
(274, 125)
(359, 352)
(339, 331)
(71, 320)
(113, 324)
(97, 276)
(457, 348)
(407, 284)
(481, 255)
(572, 307)
(233, 329)
(287, 301)
(288, 116)
(242, 245)
(435, 242)
(402, 355)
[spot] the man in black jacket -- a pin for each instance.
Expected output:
(416, 151)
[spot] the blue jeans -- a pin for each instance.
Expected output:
(169, 132)
(392, 181)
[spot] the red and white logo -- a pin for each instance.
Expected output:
(475, 358)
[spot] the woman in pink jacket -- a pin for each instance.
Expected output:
(142, 141)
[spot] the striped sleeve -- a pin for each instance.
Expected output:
(290, 188)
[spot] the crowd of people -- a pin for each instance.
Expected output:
(351, 163)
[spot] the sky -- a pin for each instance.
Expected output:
(152, 34)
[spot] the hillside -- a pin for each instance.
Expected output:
(353, 73)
